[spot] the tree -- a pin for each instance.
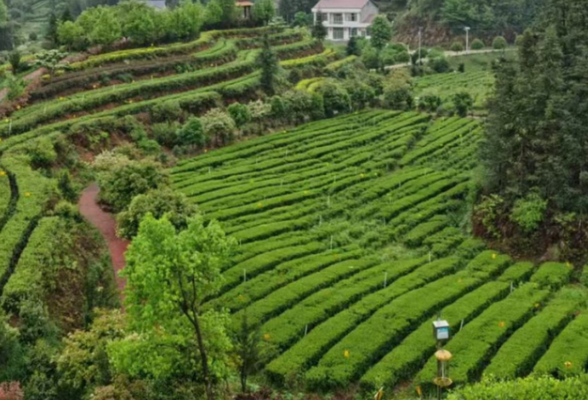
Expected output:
(457, 47)
(52, 28)
(229, 12)
(83, 363)
(462, 102)
(381, 32)
(174, 205)
(353, 48)
(319, 31)
(3, 14)
(477, 44)
(457, 13)
(240, 113)
(169, 276)
(302, 19)
(137, 21)
(268, 61)
(218, 126)
(336, 99)
(264, 11)
(191, 133)
(70, 34)
(120, 183)
(499, 43)
(247, 342)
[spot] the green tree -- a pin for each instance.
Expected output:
(213, 13)
(264, 11)
(83, 363)
(70, 34)
(477, 44)
(319, 31)
(268, 61)
(137, 21)
(229, 12)
(381, 32)
(458, 13)
(462, 102)
(3, 14)
(191, 133)
(353, 48)
(218, 127)
(499, 43)
(174, 205)
(169, 275)
(302, 19)
(240, 113)
(247, 347)
(120, 183)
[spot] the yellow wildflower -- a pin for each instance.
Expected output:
(27, 194)
(494, 256)
(568, 364)
(267, 336)
(2, 173)
(501, 324)
(346, 354)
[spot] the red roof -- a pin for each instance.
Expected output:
(243, 3)
(341, 4)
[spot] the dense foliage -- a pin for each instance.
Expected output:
(535, 142)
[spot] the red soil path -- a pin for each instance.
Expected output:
(106, 224)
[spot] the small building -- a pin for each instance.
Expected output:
(244, 8)
(345, 19)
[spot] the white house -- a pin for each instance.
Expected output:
(346, 18)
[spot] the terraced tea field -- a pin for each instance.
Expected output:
(351, 244)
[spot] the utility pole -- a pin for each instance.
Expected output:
(467, 29)
(420, 43)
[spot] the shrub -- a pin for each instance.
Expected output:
(398, 98)
(15, 60)
(279, 109)
(528, 213)
(318, 107)
(240, 113)
(165, 133)
(191, 134)
(33, 36)
(477, 44)
(499, 43)
(369, 56)
(120, 183)
(402, 57)
(457, 47)
(462, 102)
(172, 204)
(41, 152)
(167, 111)
(439, 64)
(336, 99)
(218, 126)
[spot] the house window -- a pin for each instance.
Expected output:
(338, 19)
(353, 32)
(338, 34)
(325, 17)
(351, 17)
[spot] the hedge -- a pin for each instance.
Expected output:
(263, 262)
(477, 342)
(391, 323)
(310, 348)
(291, 324)
(531, 388)
(286, 297)
(286, 272)
(568, 353)
(206, 38)
(520, 353)
(221, 53)
(27, 279)
(406, 359)
(553, 275)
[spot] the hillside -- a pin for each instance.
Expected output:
(349, 194)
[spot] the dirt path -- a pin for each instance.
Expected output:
(30, 79)
(106, 224)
